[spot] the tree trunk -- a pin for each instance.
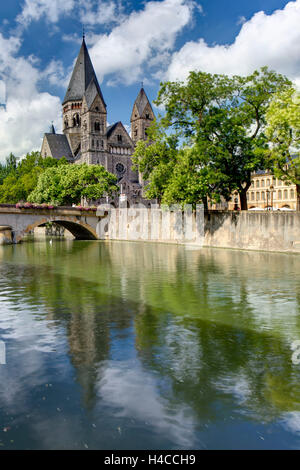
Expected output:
(243, 199)
(205, 203)
(298, 197)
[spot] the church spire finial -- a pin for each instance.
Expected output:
(83, 32)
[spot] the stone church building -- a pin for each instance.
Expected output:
(86, 136)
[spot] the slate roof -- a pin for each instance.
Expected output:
(59, 146)
(111, 128)
(91, 93)
(142, 101)
(82, 76)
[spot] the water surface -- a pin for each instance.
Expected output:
(145, 346)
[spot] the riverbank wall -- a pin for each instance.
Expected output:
(267, 231)
(246, 230)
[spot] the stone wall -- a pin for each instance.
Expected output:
(268, 231)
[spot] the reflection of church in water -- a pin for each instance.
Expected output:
(86, 136)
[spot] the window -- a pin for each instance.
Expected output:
(257, 196)
(93, 143)
(97, 126)
(119, 138)
(262, 183)
(147, 116)
(120, 168)
(76, 120)
(279, 194)
(268, 182)
(292, 194)
(263, 196)
(257, 183)
(285, 194)
(252, 196)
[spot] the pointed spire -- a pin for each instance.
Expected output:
(82, 76)
(142, 101)
(52, 129)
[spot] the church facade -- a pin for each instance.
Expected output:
(86, 136)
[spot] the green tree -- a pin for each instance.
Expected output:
(66, 184)
(283, 132)
(19, 178)
(175, 174)
(155, 160)
(224, 119)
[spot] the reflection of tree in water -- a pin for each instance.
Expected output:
(198, 321)
(202, 362)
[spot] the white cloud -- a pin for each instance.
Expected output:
(101, 12)
(146, 35)
(2, 92)
(33, 10)
(241, 20)
(271, 40)
(27, 112)
(55, 73)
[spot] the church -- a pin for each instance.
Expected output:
(86, 136)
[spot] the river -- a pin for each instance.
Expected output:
(119, 345)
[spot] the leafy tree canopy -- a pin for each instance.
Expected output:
(223, 119)
(19, 178)
(283, 133)
(66, 184)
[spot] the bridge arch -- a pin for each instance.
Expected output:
(80, 230)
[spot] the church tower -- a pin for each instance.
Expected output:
(141, 117)
(84, 111)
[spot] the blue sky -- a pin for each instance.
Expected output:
(129, 42)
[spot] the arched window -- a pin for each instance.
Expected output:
(76, 120)
(292, 194)
(285, 194)
(279, 194)
(97, 126)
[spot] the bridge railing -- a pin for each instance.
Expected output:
(46, 207)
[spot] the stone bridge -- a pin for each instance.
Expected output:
(82, 224)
